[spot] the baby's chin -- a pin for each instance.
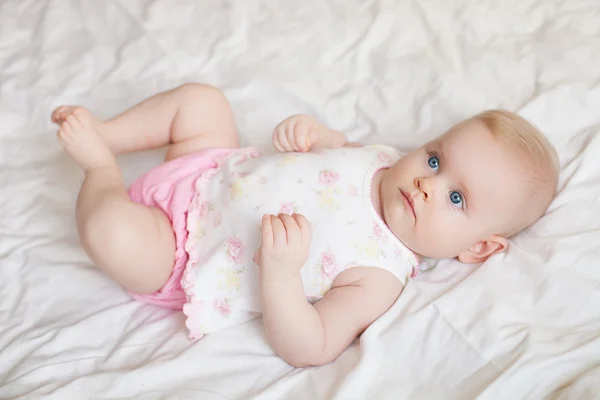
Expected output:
(421, 247)
(409, 243)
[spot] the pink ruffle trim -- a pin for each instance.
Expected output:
(194, 306)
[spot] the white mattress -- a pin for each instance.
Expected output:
(523, 325)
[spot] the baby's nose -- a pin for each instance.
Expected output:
(423, 185)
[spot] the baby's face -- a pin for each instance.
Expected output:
(451, 193)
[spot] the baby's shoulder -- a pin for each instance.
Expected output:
(369, 278)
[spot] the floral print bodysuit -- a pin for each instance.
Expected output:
(331, 188)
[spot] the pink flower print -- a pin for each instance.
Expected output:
(235, 249)
(327, 177)
(378, 232)
(202, 209)
(329, 265)
(222, 306)
(287, 208)
(385, 157)
(255, 257)
(262, 180)
(240, 175)
(352, 190)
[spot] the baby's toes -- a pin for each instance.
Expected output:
(61, 134)
(73, 122)
(54, 116)
(66, 128)
(62, 113)
(79, 114)
(57, 114)
(81, 117)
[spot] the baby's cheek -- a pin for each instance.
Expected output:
(434, 234)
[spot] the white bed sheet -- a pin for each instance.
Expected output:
(524, 325)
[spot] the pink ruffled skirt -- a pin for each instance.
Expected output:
(170, 187)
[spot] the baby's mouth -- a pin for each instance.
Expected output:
(409, 203)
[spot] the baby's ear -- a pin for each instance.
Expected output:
(483, 249)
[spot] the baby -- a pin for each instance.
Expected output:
(319, 238)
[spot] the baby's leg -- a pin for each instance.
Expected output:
(132, 243)
(190, 117)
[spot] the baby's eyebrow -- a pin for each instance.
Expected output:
(437, 146)
(442, 147)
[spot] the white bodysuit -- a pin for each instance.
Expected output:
(331, 188)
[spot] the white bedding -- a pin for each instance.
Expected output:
(523, 325)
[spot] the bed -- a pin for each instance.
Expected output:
(524, 325)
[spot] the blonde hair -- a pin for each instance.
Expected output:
(541, 167)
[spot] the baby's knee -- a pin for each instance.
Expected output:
(194, 90)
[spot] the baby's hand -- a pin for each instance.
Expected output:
(285, 244)
(296, 133)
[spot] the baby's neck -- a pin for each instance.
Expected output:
(376, 192)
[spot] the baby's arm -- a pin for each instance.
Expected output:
(304, 334)
(301, 333)
(304, 133)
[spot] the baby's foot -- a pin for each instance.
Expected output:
(80, 138)
(60, 114)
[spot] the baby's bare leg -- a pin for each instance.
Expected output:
(132, 243)
(190, 118)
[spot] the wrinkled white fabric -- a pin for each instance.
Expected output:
(523, 325)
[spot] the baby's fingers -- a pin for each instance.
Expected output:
(292, 230)
(282, 138)
(305, 228)
(311, 138)
(267, 231)
(301, 133)
(279, 236)
(291, 132)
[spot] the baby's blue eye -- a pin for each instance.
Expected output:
(434, 163)
(456, 198)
